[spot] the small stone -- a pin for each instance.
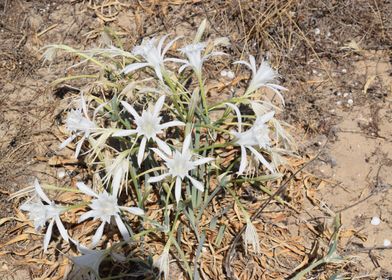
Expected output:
(375, 221)
(350, 102)
(223, 73)
(344, 71)
(339, 103)
(317, 31)
(345, 95)
(230, 75)
(61, 174)
(387, 243)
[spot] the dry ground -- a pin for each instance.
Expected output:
(334, 56)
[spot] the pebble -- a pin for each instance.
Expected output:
(387, 243)
(350, 102)
(223, 73)
(317, 31)
(230, 75)
(375, 221)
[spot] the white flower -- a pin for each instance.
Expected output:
(88, 262)
(78, 123)
(153, 54)
(40, 213)
(105, 207)
(179, 165)
(195, 59)
(149, 126)
(264, 76)
(117, 169)
(256, 136)
(251, 237)
(163, 263)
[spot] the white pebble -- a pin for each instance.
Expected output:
(338, 103)
(317, 31)
(344, 71)
(61, 174)
(350, 102)
(375, 221)
(230, 75)
(345, 95)
(387, 243)
(223, 73)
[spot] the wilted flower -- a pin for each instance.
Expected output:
(78, 123)
(195, 59)
(40, 213)
(251, 237)
(256, 136)
(163, 263)
(117, 169)
(153, 54)
(105, 207)
(88, 262)
(148, 126)
(264, 76)
(179, 165)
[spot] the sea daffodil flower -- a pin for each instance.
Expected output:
(151, 51)
(148, 126)
(264, 76)
(40, 213)
(256, 136)
(195, 58)
(104, 207)
(79, 123)
(179, 164)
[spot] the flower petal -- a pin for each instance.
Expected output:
(202, 161)
(133, 210)
(157, 178)
(244, 161)
(160, 154)
(48, 235)
(266, 117)
(79, 147)
(238, 113)
(67, 141)
(61, 228)
(130, 109)
(134, 66)
(140, 153)
(170, 124)
(85, 189)
(197, 184)
(177, 190)
(262, 159)
(168, 46)
(40, 192)
(163, 146)
(87, 215)
(158, 106)
(98, 235)
(122, 228)
(124, 132)
(186, 146)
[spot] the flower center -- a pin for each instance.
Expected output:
(180, 165)
(148, 125)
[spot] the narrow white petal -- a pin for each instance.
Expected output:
(160, 44)
(122, 228)
(48, 235)
(163, 146)
(202, 161)
(177, 60)
(85, 189)
(186, 146)
(79, 147)
(40, 192)
(160, 154)
(244, 161)
(170, 124)
(197, 184)
(272, 87)
(116, 182)
(238, 113)
(133, 210)
(244, 63)
(124, 132)
(158, 106)
(252, 61)
(87, 215)
(157, 178)
(67, 141)
(61, 228)
(168, 46)
(177, 190)
(266, 117)
(140, 153)
(130, 109)
(134, 66)
(98, 235)
(158, 72)
(262, 159)
(182, 68)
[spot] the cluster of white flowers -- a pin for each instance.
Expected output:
(146, 149)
